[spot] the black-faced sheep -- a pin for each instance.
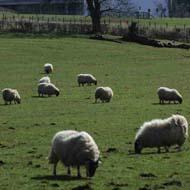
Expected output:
(10, 95)
(167, 94)
(86, 79)
(47, 89)
(162, 133)
(104, 94)
(48, 68)
(74, 149)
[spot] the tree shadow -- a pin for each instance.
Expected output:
(58, 177)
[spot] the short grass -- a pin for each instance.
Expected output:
(134, 72)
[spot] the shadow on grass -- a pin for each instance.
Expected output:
(39, 96)
(59, 177)
(157, 103)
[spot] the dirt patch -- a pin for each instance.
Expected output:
(11, 128)
(54, 185)
(111, 150)
(2, 163)
(147, 175)
(83, 187)
(173, 183)
(118, 184)
(146, 187)
(30, 163)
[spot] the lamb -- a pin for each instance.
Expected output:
(47, 89)
(10, 95)
(162, 133)
(74, 149)
(48, 68)
(104, 94)
(86, 79)
(45, 80)
(167, 94)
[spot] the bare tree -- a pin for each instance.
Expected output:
(98, 7)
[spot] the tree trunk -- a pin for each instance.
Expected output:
(96, 26)
(94, 7)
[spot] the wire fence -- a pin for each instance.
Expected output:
(82, 25)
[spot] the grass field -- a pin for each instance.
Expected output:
(134, 73)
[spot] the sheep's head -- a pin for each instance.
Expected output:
(91, 167)
(138, 146)
(180, 100)
(95, 82)
(57, 92)
(18, 100)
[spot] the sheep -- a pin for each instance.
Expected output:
(167, 94)
(104, 94)
(86, 79)
(74, 149)
(45, 80)
(48, 68)
(47, 89)
(162, 133)
(10, 95)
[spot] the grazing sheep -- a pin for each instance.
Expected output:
(162, 133)
(45, 80)
(48, 68)
(104, 94)
(10, 95)
(47, 89)
(167, 94)
(74, 149)
(86, 79)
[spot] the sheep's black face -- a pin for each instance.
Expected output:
(18, 101)
(180, 100)
(91, 168)
(57, 93)
(138, 147)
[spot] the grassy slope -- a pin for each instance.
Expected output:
(134, 72)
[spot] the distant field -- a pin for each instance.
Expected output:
(134, 73)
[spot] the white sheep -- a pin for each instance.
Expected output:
(104, 94)
(167, 94)
(10, 95)
(162, 133)
(45, 80)
(74, 149)
(47, 89)
(48, 68)
(86, 79)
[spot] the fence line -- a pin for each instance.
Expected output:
(42, 24)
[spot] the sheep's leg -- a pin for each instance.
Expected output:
(82, 84)
(78, 172)
(54, 169)
(159, 150)
(179, 148)
(69, 171)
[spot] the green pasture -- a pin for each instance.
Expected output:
(134, 72)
